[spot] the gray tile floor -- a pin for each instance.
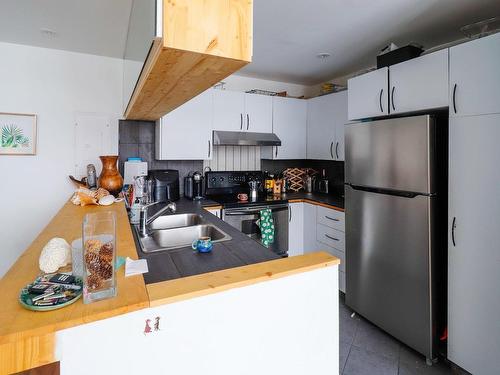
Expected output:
(367, 350)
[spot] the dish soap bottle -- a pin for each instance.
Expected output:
(135, 212)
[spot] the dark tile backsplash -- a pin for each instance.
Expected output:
(334, 169)
(137, 139)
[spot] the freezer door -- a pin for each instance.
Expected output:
(388, 264)
(392, 154)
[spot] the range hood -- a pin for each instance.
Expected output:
(224, 138)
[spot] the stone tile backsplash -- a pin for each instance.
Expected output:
(334, 169)
(137, 139)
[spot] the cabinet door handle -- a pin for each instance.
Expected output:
(453, 226)
(209, 148)
(332, 238)
(276, 154)
(454, 98)
(241, 121)
(380, 100)
(331, 152)
(331, 218)
(392, 97)
(248, 121)
(290, 213)
(337, 150)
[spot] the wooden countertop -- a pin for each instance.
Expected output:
(199, 285)
(27, 337)
(18, 323)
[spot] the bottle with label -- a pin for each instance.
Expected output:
(269, 184)
(135, 212)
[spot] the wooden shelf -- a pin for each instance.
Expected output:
(203, 42)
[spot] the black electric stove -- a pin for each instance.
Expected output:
(224, 187)
(231, 200)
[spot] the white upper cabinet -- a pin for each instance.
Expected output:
(320, 128)
(368, 95)
(326, 117)
(475, 77)
(290, 125)
(258, 113)
(419, 84)
(339, 141)
(238, 111)
(229, 110)
(186, 132)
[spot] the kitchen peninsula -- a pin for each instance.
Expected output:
(278, 304)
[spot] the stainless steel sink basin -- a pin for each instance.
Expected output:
(180, 237)
(176, 221)
(176, 231)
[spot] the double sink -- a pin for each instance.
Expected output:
(176, 231)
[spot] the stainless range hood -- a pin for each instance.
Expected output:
(224, 138)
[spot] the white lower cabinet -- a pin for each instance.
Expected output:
(315, 228)
(473, 244)
(295, 229)
(310, 243)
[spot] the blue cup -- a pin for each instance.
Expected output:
(203, 245)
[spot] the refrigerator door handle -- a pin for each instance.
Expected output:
(399, 193)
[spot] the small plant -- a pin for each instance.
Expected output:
(13, 137)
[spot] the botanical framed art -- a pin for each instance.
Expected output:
(17, 134)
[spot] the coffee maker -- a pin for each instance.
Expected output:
(193, 186)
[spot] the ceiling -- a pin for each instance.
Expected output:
(288, 34)
(97, 27)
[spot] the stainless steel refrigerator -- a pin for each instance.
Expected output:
(395, 196)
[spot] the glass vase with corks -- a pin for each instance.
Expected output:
(99, 256)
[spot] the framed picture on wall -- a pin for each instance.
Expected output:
(17, 134)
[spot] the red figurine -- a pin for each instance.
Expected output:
(147, 329)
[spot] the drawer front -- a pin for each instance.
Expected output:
(331, 218)
(342, 281)
(331, 237)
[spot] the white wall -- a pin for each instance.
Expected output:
(55, 85)
(236, 82)
(286, 326)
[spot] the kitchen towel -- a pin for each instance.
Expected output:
(266, 225)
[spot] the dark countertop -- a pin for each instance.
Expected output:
(174, 264)
(239, 251)
(328, 199)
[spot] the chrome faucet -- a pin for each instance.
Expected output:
(145, 220)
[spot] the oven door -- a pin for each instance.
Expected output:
(245, 220)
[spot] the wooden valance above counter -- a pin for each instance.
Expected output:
(201, 43)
